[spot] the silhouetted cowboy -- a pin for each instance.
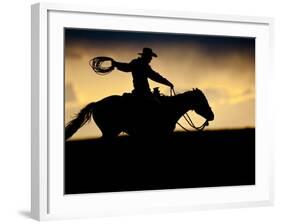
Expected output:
(141, 71)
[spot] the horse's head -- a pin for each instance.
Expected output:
(201, 105)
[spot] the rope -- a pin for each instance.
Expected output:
(188, 119)
(96, 65)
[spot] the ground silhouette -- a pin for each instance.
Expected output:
(182, 160)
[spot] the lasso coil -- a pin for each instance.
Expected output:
(96, 65)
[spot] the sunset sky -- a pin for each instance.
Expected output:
(222, 67)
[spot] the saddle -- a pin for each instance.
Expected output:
(155, 94)
(153, 98)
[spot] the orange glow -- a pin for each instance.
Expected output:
(228, 81)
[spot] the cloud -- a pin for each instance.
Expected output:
(247, 92)
(70, 96)
(73, 53)
(226, 96)
(213, 94)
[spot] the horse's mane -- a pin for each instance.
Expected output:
(178, 95)
(196, 94)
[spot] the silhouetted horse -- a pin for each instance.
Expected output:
(139, 116)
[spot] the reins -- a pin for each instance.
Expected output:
(188, 119)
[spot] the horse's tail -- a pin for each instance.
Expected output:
(81, 118)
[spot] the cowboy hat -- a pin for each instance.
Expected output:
(148, 51)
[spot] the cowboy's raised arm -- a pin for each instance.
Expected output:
(158, 78)
(124, 67)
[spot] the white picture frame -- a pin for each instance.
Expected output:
(47, 198)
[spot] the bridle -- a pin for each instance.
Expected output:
(188, 119)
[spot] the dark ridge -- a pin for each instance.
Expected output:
(183, 160)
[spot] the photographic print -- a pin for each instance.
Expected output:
(156, 111)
